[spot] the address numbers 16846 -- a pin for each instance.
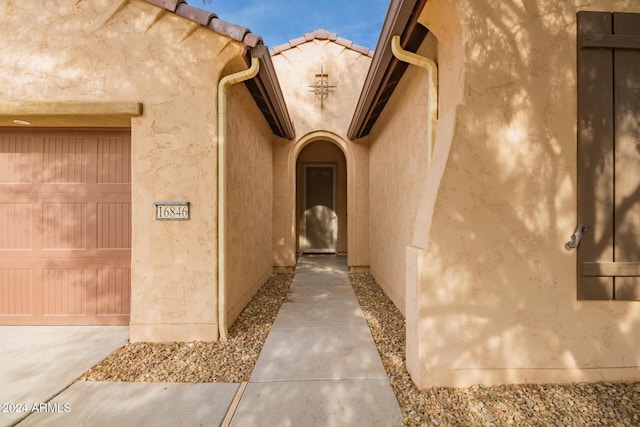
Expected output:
(176, 211)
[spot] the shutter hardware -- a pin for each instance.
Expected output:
(575, 237)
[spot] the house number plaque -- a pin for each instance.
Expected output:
(172, 211)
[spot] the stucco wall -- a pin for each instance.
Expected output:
(492, 289)
(324, 152)
(296, 70)
(398, 168)
(249, 201)
(111, 51)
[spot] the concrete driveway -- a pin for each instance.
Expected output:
(38, 362)
(39, 367)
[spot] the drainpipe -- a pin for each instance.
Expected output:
(222, 187)
(432, 69)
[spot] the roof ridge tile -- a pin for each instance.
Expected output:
(295, 42)
(321, 34)
(344, 42)
(280, 48)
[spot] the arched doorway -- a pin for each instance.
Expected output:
(321, 199)
(353, 228)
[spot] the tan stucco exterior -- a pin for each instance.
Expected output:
(249, 202)
(134, 52)
(470, 247)
(296, 69)
(490, 289)
(398, 169)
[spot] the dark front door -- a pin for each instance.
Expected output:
(320, 224)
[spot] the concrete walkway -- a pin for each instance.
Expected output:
(319, 367)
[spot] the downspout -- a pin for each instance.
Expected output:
(222, 187)
(432, 69)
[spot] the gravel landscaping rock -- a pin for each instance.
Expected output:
(597, 404)
(223, 361)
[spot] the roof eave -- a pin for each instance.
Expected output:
(266, 91)
(385, 69)
(265, 87)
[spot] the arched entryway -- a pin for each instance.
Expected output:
(352, 203)
(321, 199)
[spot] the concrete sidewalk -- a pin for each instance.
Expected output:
(319, 367)
(38, 362)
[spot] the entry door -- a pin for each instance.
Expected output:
(320, 219)
(609, 155)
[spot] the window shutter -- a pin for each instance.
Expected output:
(609, 155)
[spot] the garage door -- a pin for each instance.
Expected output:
(65, 227)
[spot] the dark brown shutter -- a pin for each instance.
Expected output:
(609, 155)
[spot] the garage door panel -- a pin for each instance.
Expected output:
(16, 164)
(97, 289)
(65, 291)
(113, 291)
(113, 165)
(15, 226)
(65, 227)
(94, 258)
(63, 320)
(87, 193)
(16, 291)
(113, 225)
(65, 160)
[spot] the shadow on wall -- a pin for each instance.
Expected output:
(346, 70)
(501, 289)
(318, 230)
(84, 52)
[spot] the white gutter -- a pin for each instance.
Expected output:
(432, 69)
(222, 187)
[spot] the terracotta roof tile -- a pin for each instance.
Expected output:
(280, 48)
(363, 50)
(344, 42)
(321, 34)
(234, 31)
(297, 41)
(202, 17)
(253, 40)
(209, 20)
(170, 5)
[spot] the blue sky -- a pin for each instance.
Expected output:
(279, 21)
